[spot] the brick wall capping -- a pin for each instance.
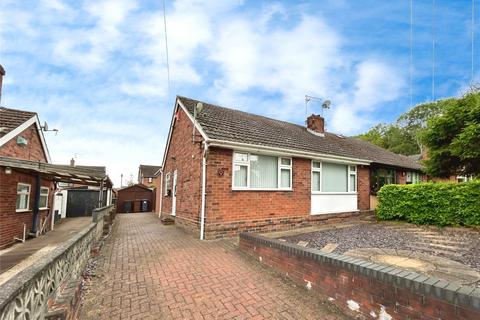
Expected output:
(401, 279)
(23, 279)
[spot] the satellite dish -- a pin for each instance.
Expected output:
(45, 126)
(326, 104)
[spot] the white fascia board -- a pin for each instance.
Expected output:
(195, 123)
(179, 103)
(33, 120)
(9, 136)
(286, 152)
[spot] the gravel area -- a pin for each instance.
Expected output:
(456, 244)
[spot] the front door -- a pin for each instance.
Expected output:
(174, 193)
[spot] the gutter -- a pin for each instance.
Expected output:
(281, 151)
(204, 183)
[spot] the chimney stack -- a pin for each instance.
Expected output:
(316, 124)
(2, 73)
(72, 162)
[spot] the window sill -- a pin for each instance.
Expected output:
(46, 208)
(332, 213)
(22, 210)
(334, 193)
(261, 189)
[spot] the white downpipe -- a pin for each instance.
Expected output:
(204, 183)
(161, 194)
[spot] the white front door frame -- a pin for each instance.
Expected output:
(174, 193)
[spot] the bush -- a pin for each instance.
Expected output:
(441, 204)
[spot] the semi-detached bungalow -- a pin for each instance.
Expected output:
(226, 171)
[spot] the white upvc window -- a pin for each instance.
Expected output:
(261, 172)
(43, 201)
(413, 177)
(352, 178)
(331, 177)
(23, 197)
(167, 183)
(150, 179)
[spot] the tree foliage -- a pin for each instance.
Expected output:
(453, 138)
(403, 136)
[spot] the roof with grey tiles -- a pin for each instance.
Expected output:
(232, 125)
(149, 171)
(10, 119)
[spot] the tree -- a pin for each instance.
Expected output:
(453, 138)
(403, 136)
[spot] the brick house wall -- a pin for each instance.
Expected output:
(11, 221)
(32, 151)
(185, 157)
(136, 194)
(231, 211)
(363, 187)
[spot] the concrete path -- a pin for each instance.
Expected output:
(19, 256)
(149, 271)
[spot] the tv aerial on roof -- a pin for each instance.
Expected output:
(44, 128)
(325, 105)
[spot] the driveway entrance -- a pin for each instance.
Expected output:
(150, 271)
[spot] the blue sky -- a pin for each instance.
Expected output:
(96, 70)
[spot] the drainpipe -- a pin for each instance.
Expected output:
(161, 194)
(36, 204)
(204, 192)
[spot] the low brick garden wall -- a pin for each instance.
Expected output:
(363, 288)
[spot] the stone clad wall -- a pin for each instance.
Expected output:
(366, 289)
(31, 292)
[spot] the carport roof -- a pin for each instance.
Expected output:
(59, 173)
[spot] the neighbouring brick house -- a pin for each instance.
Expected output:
(21, 137)
(244, 172)
(150, 176)
(27, 177)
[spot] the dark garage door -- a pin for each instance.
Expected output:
(80, 203)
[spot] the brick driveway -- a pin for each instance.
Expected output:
(150, 271)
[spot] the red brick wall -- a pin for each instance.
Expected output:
(12, 222)
(185, 157)
(363, 187)
(224, 204)
(135, 194)
(32, 151)
(351, 283)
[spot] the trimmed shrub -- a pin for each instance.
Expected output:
(441, 204)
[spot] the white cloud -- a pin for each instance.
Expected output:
(111, 101)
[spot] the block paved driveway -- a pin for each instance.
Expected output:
(150, 271)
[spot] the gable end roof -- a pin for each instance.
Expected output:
(13, 122)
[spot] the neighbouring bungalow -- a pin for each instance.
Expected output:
(28, 179)
(226, 171)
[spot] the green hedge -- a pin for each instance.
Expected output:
(441, 204)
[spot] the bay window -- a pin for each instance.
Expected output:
(254, 171)
(332, 177)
